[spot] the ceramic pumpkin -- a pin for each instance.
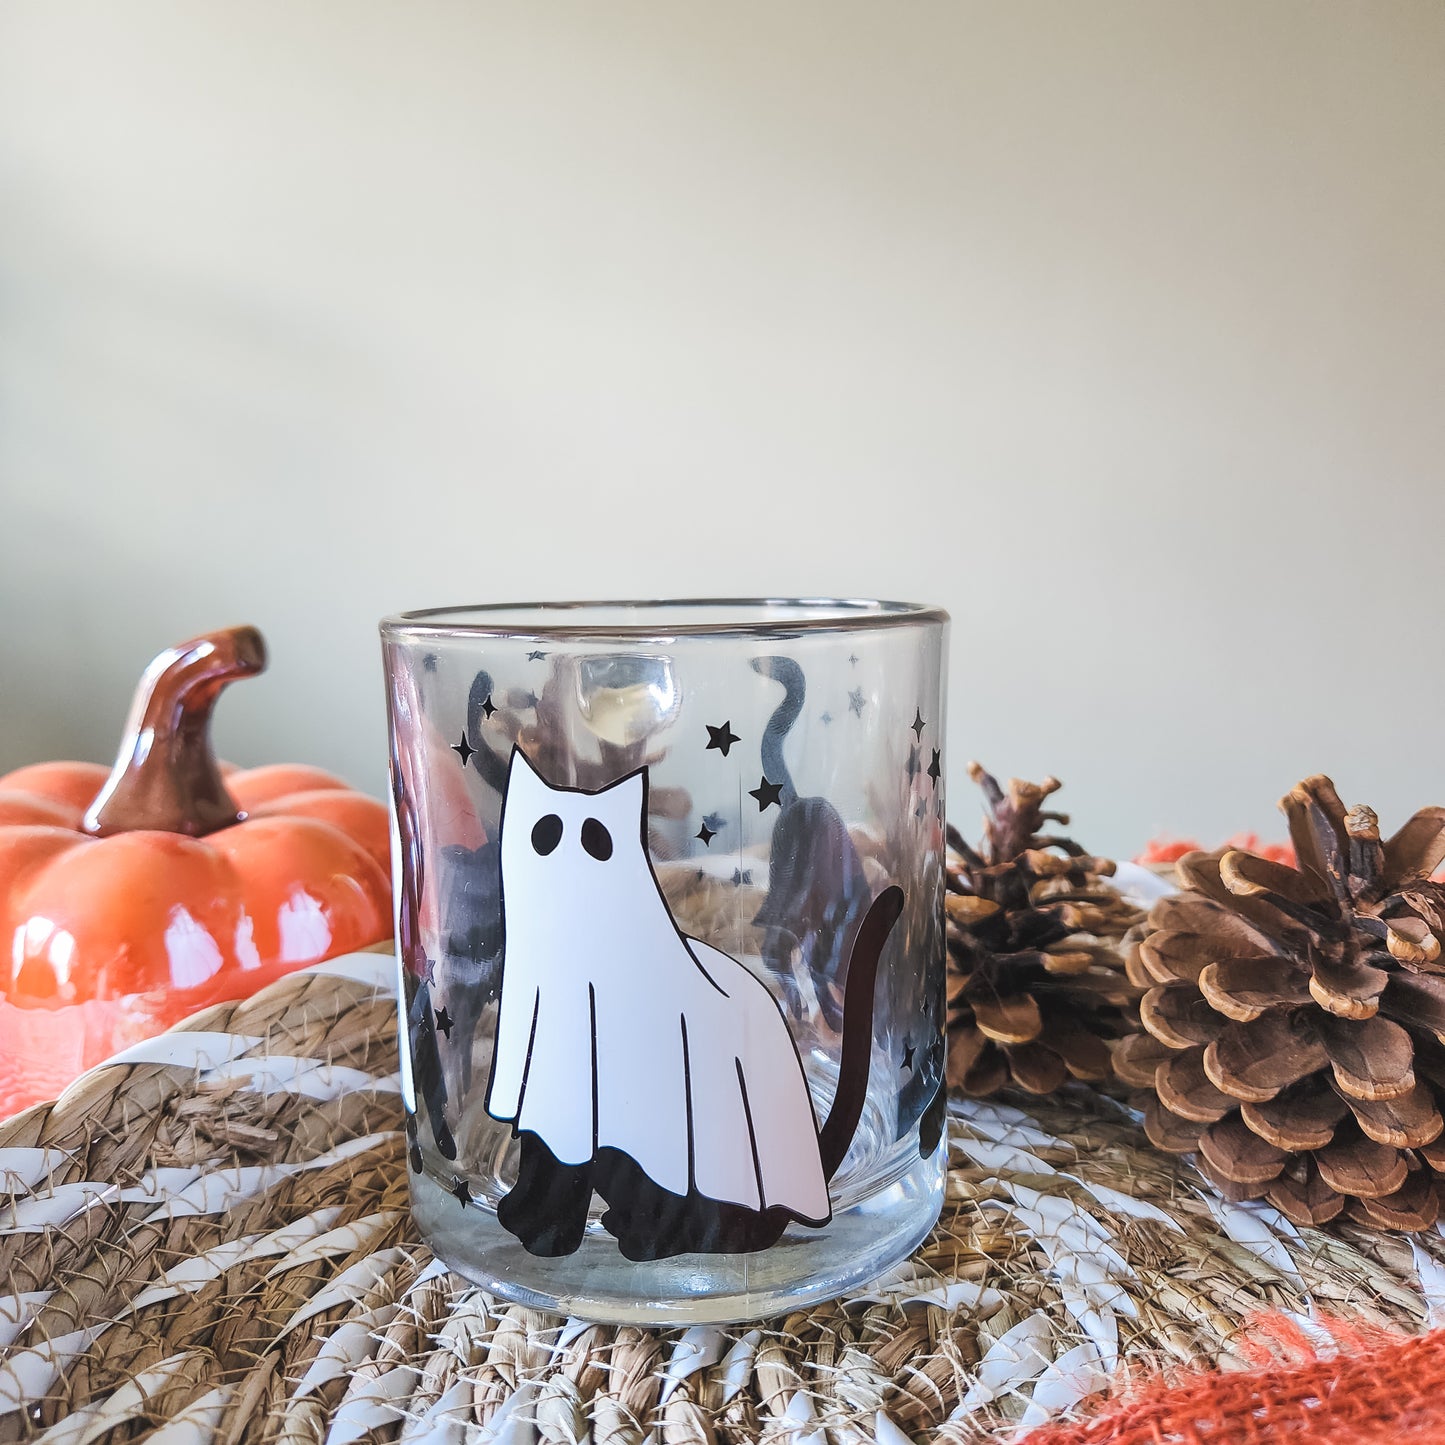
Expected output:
(133, 896)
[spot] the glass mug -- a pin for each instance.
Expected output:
(669, 919)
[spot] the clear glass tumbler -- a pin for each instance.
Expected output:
(669, 920)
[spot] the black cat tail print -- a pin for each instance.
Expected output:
(644, 1065)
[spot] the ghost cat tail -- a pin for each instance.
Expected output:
(787, 672)
(492, 769)
(847, 1108)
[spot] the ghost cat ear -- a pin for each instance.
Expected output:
(627, 798)
(521, 772)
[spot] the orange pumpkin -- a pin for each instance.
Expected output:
(133, 896)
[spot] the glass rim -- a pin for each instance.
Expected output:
(550, 619)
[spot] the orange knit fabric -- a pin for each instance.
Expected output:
(1377, 1388)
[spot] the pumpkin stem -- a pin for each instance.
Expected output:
(166, 776)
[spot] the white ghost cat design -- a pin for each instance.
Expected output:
(639, 1062)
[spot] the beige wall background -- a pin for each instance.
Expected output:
(1118, 329)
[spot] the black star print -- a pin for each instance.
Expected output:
(767, 794)
(706, 834)
(463, 750)
(444, 1023)
(426, 970)
(856, 701)
(741, 876)
(535, 656)
(915, 764)
(530, 699)
(917, 725)
(852, 659)
(826, 718)
(907, 1055)
(715, 821)
(721, 738)
(935, 768)
(487, 708)
(429, 662)
(921, 810)
(461, 1190)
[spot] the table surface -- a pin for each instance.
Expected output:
(208, 1240)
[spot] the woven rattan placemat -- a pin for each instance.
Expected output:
(208, 1241)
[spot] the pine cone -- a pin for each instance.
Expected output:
(1295, 1017)
(1036, 985)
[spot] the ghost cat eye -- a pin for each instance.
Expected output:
(546, 834)
(597, 840)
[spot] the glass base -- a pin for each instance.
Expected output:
(862, 1242)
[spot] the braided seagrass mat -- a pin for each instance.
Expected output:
(207, 1243)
